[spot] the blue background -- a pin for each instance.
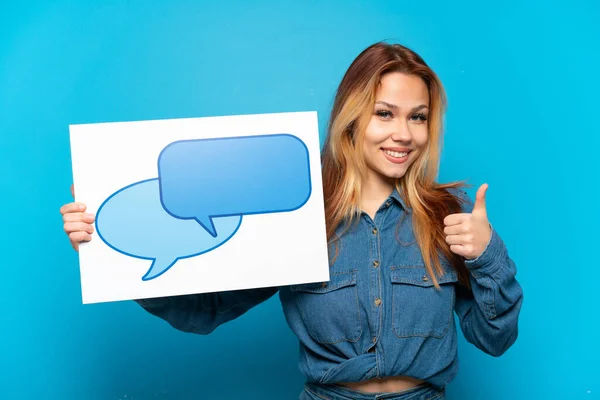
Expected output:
(523, 87)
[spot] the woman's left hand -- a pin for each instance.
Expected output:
(468, 234)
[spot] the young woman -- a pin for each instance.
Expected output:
(406, 252)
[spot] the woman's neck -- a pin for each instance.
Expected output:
(375, 190)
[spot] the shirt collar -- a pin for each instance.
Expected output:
(395, 196)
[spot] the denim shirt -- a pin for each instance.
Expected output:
(379, 314)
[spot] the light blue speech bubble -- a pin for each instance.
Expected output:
(132, 221)
(203, 179)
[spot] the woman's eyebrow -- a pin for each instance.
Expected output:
(393, 106)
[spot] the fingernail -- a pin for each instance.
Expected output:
(81, 207)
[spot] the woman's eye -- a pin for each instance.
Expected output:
(384, 113)
(419, 118)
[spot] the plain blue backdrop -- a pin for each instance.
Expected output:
(523, 90)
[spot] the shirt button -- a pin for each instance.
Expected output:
(375, 263)
(425, 278)
(377, 302)
(374, 231)
(374, 339)
(324, 285)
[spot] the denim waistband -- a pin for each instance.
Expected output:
(337, 392)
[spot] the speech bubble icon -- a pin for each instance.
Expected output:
(202, 179)
(132, 221)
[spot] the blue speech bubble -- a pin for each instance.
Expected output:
(202, 179)
(132, 221)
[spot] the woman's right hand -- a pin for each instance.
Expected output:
(78, 224)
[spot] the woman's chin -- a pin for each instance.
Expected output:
(392, 175)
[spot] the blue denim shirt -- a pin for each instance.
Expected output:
(379, 314)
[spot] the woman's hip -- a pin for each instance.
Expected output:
(313, 391)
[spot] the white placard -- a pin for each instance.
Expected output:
(197, 205)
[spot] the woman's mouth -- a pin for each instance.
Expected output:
(396, 156)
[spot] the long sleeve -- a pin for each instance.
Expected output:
(489, 312)
(203, 313)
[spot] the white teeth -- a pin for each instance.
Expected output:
(395, 153)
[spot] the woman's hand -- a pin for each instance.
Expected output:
(77, 223)
(468, 234)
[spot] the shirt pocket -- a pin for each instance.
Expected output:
(418, 308)
(330, 310)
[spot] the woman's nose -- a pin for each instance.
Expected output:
(401, 132)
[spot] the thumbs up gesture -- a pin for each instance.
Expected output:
(468, 234)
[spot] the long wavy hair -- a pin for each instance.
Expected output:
(344, 167)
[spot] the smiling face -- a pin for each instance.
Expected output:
(398, 130)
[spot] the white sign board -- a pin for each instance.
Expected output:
(199, 205)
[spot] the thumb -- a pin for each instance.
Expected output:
(479, 206)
